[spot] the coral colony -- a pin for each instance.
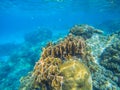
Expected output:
(70, 64)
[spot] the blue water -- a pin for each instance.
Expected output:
(20, 17)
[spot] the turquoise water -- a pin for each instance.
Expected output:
(21, 16)
(27, 25)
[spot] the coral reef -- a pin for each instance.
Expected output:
(70, 46)
(110, 58)
(50, 70)
(84, 31)
(52, 74)
(76, 76)
(74, 61)
(102, 78)
(47, 74)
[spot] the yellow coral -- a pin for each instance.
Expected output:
(76, 76)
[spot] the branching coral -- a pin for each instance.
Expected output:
(47, 74)
(71, 46)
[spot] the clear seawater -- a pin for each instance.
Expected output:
(20, 20)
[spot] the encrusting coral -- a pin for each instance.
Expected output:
(76, 76)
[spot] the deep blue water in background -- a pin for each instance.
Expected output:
(18, 17)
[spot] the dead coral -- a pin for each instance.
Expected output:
(71, 46)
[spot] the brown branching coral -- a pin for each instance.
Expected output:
(71, 46)
(47, 73)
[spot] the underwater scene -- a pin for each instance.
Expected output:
(59, 44)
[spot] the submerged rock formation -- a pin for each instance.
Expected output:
(84, 31)
(60, 65)
(74, 61)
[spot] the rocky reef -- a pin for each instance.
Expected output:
(78, 60)
(84, 31)
(110, 58)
